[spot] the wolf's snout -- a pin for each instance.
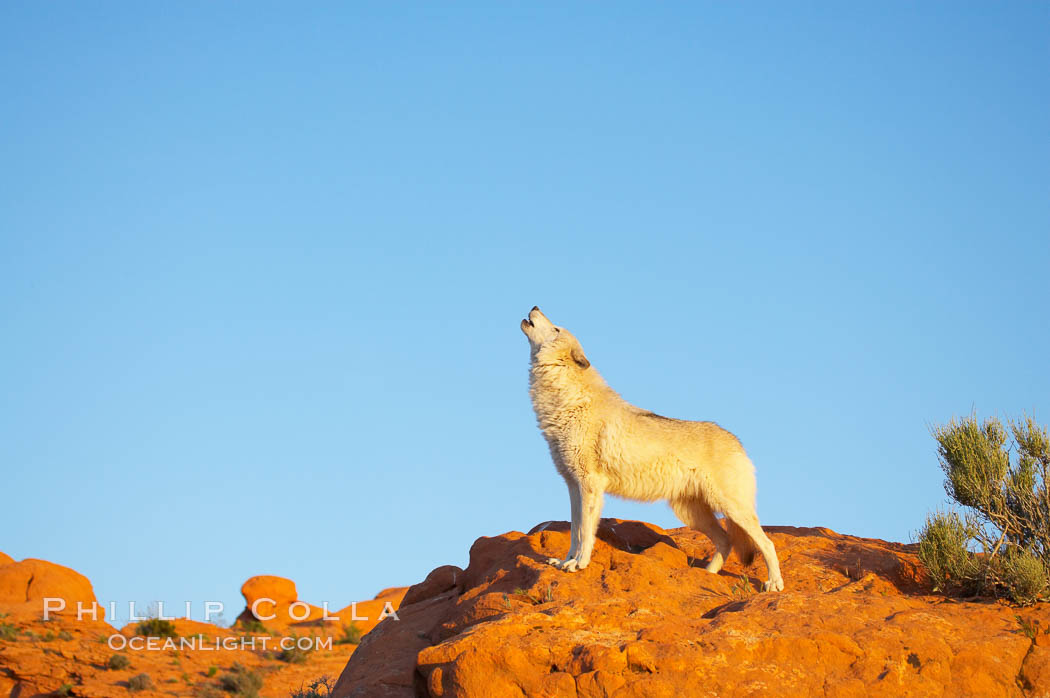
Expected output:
(536, 314)
(528, 318)
(537, 327)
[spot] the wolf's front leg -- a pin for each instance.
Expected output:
(592, 513)
(585, 524)
(575, 510)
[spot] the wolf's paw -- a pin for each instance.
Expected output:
(569, 565)
(774, 585)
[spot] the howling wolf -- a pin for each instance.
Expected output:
(601, 443)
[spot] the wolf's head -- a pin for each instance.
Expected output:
(551, 344)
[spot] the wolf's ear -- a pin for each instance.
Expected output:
(578, 357)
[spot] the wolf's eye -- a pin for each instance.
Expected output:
(557, 329)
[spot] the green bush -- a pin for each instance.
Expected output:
(8, 632)
(351, 635)
(155, 627)
(293, 655)
(140, 682)
(118, 661)
(1024, 576)
(1001, 545)
(241, 681)
(943, 550)
(253, 625)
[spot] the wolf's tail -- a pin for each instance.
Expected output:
(742, 543)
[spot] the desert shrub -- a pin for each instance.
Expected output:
(293, 655)
(1000, 545)
(8, 632)
(351, 635)
(64, 690)
(140, 682)
(1024, 576)
(318, 688)
(118, 661)
(253, 625)
(212, 670)
(241, 681)
(155, 627)
(943, 549)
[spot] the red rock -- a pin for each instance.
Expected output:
(368, 613)
(24, 586)
(644, 619)
(39, 658)
(437, 582)
(305, 618)
(265, 586)
(1035, 672)
(276, 597)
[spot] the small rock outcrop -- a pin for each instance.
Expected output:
(278, 606)
(644, 619)
(24, 586)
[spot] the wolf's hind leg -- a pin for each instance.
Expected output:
(746, 518)
(695, 513)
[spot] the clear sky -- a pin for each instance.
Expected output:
(262, 266)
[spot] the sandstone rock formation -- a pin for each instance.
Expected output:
(644, 619)
(24, 585)
(38, 658)
(277, 597)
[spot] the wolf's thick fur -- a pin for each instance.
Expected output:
(601, 443)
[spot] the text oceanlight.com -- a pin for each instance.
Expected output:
(118, 642)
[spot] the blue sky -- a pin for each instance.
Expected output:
(263, 267)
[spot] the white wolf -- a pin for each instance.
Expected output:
(601, 443)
